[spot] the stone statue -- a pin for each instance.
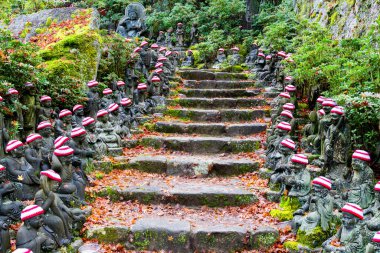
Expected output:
(20, 172)
(161, 38)
(310, 131)
(348, 239)
(285, 116)
(117, 121)
(46, 112)
(128, 113)
(277, 104)
(63, 123)
(235, 58)
(133, 23)
(259, 64)
(220, 59)
(107, 99)
(372, 224)
(29, 99)
(375, 243)
(93, 99)
(154, 51)
(4, 136)
(146, 55)
(180, 35)
(120, 91)
(76, 120)
(10, 209)
(280, 160)
(194, 34)
(155, 83)
(281, 133)
(33, 153)
(252, 55)
(17, 114)
(29, 235)
(45, 130)
(168, 38)
(106, 131)
(92, 138)
(189, 59)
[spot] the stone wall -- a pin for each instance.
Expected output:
(345, 18)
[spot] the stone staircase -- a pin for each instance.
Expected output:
(214, 121)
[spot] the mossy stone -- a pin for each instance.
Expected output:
(288, 205)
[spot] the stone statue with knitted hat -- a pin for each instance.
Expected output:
(107, 99)
(189, 59)
(234, 58)
(19, 171)
(220, 59)
(34, 154)
(31, 235)
(106, 132)
(46, 112)
(285, 116)
(93, 99)
(277, 103)
(315, 214)
(349, 238)
(31, 106)
(120, 92)
(372, 223)
(180, 35)
(118, 122)
(4, 136)
(252, 56)
(93, 140)
(78, 116)
(13, 99)
(161, 38)
(63, 123)
(280, 133)
(259, 63)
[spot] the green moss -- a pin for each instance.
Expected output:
(149, 126)
(265, 240)
(150, 142)
(288, 205)
(351, 2)
(333, 18)
(244, 147)
(291, 245)
(109, 234)
(111, 192)
(313, 238)
(233, 69)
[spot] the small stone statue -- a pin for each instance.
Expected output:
(235, 58)
(348, 239)
(310, 132)
(17, 114)
(133, 23)
(281, 133)
(277, 104)
(93, 99)
(46, 112)
(252, 55)
(33, 154)
(120, 91)
(375, 243)
(146, 55)
(154, 50)
(29, 235)
(76, 120)
(180, 35)
(220, 59)
(19, 171)
(189, 59)
(194, 34)
(107, 98)
(161, 38)
(117, 121)
(45, 129)
(63, 123)
(168, 38)
(285, 116)
(92, 138)
(29, 99)
(106, 131)
(259, 64)
(4, 136)
(128, 113)
(372, 224)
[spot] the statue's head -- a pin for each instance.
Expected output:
(15, 148)
(32, 216)
(13, 94)
(3, 174)
(352, 214)
(132, 14)
(89, 124)
(78, 110)
(45, 101)
(46, 132)
(102, 116)
(376, 242)
(29, 88)
(287, 147)
(282, 128)
(64, 154)
(78, 134)
(321, 186)
(360, 160)
(113, 109)
(34, 141)
(336, 114)
(50, 181)
(328, 105)
(18, 152)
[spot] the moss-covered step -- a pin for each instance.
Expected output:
(214, 129)
(172, 234)
(202, 145)
(222, 115)
(210, 93)
(191, 193)
(218, 84)
(213, 103)
(192, 165)
(207, 75)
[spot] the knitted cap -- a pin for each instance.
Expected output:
(52, 175)
(284, 126)
(92, 83)
(162, 49)
(78, 131)
(101, 113)
(323, 181)
(338, 110)
(87, 121)
(154, 46)
(320, 99)
(12, 91)
(125, 102)
(31, 211)
(156, 79)
(287, 114)
(376, 237)
(77, 107)
(143, 43)
(13, 144)
(120, 83)
(44, 124)
(289, 144)
(64, 113)
(300, 158)
(235, 49)
(329, 102)
(362, 155)
(168, 53)
(159, 71)
(107, 91)
(113, 107)
(45, 98)
(321, 112)
(60, 141)
(137, 49)
(162, 59)
(221, 49)
(261, 55)
(290, 88)
(288, 106)
(22, 250)
(142, 86)
(288, 78)
(63, 151)
(33, 137)
(284, 95)
(2, 168)
(282, 54)
(158, 65)
(354, 210)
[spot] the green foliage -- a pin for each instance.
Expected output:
(288, 205)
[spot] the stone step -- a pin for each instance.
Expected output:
(184, 192)
(208, 75)
(210, 128)
(214, 103)
(212, 93)
(222, 115)
(218, 84)
(201, 145)
(172, 234)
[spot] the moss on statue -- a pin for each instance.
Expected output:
(313, 238)
(288, 205)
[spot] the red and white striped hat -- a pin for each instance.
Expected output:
(142, 86)
(320, 99)
(261, 55)
(77, 107)
(159, 70)
(154, 45)
(300, 158)
(120, 83)
(168, 53)
(156, 79)
(158, 65)
(12, 91)
(28, 84)
(329, 102)
(2, 167)
(287, 113)
(323, 181)
(52, 175)
(268, 57)
(92, 83)
(338, 110)
(101, 113)
(362, 155)
(125, 101)
(284, 95)
(354, 210)
(31, 211)
(377, 187)
(63, 151)
(235, 49)
(60, 141)
(290, 88)
(221, 49)
(22, 250)
(189, 51)
(87, 121)
(284, 126)
(137, 50)
(78, 131)
(162, 49)
(289, 144)
(143, 43)
(288, 59)
(1, 99)
(13, 144)
(44, 124)
(113, 107)
(288, 78)
(162, 59)
(376, 237)
(33, 137)
(288, 106)
(45, 98)
(64, 113)
(282, 54)
(107, 91)
(321, 112)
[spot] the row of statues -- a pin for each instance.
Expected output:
(166, 38)
(337, 211)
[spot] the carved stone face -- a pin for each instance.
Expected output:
(67, 119)
(298, 166)
(65, 159)
(37, 144)
(280, 132)
(283, 118)
(349, 220)
(104, 118)
(285, 150)
(327, 109)
(335, 118)
(132, 15)
(376, 247)
(18, 152)
(46, 132)
(91, 128)
(54, 185)
(46, 103)
(3, 176)
(80, 138)
(320, 191)
(79, 112)
(36, 222)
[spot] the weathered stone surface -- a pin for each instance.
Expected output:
(263, 238)
(218, 84)
(208, 75)
(111, 234)
(201, 145)
(153, 164)
(209, 93)
(213, 103)
(273, 196)
(233, 167)
(270, 94)
(222, 115)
